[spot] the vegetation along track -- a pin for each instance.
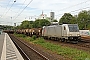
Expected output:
(84, 44)
(30, 53)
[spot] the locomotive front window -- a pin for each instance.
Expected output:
(73, 28)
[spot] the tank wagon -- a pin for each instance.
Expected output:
(64, 32)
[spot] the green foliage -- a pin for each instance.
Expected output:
(39, 40)
(66, 18)
(20, 35)
(34, 37)
(26, 24)
(29, 39)
(64, 51)
(67, 52)
(33, 24)
(40, 23)
(54, 21)
(82, 19)
(6, 27)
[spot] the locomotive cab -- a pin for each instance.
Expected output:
(71, 32)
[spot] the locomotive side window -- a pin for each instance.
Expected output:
(64, 28)
(73, 28)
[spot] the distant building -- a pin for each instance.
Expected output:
(42, 16)
(52, 16)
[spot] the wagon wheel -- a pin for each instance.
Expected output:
(62, 40)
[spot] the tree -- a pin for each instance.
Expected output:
(67, 18)
(83, 19)
(40, 23)
(31, 24)
(26, 24)
(88, 24)
(55, 21)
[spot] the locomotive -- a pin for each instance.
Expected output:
(65, 32)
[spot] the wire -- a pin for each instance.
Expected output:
(8, 3)
(6, 7)
(21, 6)
(74, 5)
(75, 10)
(79, 9)
(10, 7)
(23, 9)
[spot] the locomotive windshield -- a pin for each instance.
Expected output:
(73, 28)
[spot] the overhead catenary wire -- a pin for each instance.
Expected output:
(21, 6)
(23, 9)
(79, 9)
(10, 7)
(8, 4)
(74, 5)
(73, 11)
(6, 7)
(60, 10)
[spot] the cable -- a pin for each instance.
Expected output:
(6, 7)
(23, 9)
(10, 7)
(74, 5)
(21, 6)
(75, 10)
(8, 3)
(79, 9)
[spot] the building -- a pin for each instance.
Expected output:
(42, 16)
(52, 16)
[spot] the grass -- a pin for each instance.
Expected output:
(68, 52)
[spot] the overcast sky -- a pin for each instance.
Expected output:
(12, 12)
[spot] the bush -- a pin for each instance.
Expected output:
(34, 37)
(39, 41)
(24, 36)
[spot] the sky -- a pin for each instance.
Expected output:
(15, 12)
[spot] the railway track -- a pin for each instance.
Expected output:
(84, 44)
(26, 51)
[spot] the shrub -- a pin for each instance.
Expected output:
(34, 37)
